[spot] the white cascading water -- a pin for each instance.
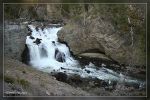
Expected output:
(42, 55)
(43, 51)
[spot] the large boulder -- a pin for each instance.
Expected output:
(107, 29)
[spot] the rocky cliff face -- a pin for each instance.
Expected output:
(14, 40)
(108, 29)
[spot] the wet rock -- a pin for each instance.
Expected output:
(98, 62)
(54, 43)
(54, 21)
(29, 29)
(87, 71)
(95, 55)
(37, 41)
(75, 80)
(37, 28)
(31, 37)
(97, 82)
(110, 85)
(104, 84)
(133, 85)
(29, 34)
(61, 76)
(25, 55)
(43, 27)
(135, 71)
(59, 56)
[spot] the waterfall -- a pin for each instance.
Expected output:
(43, 44)
(48, 55)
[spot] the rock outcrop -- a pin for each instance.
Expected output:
(14, 39)
(107, 29)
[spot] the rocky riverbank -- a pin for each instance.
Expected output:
(23, 80)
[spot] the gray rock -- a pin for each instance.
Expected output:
(102, 31)
(95, 55)
(14, 40)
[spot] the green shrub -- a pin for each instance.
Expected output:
(8, 79)
(24, 72)
(12, 80)
(23, 82)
